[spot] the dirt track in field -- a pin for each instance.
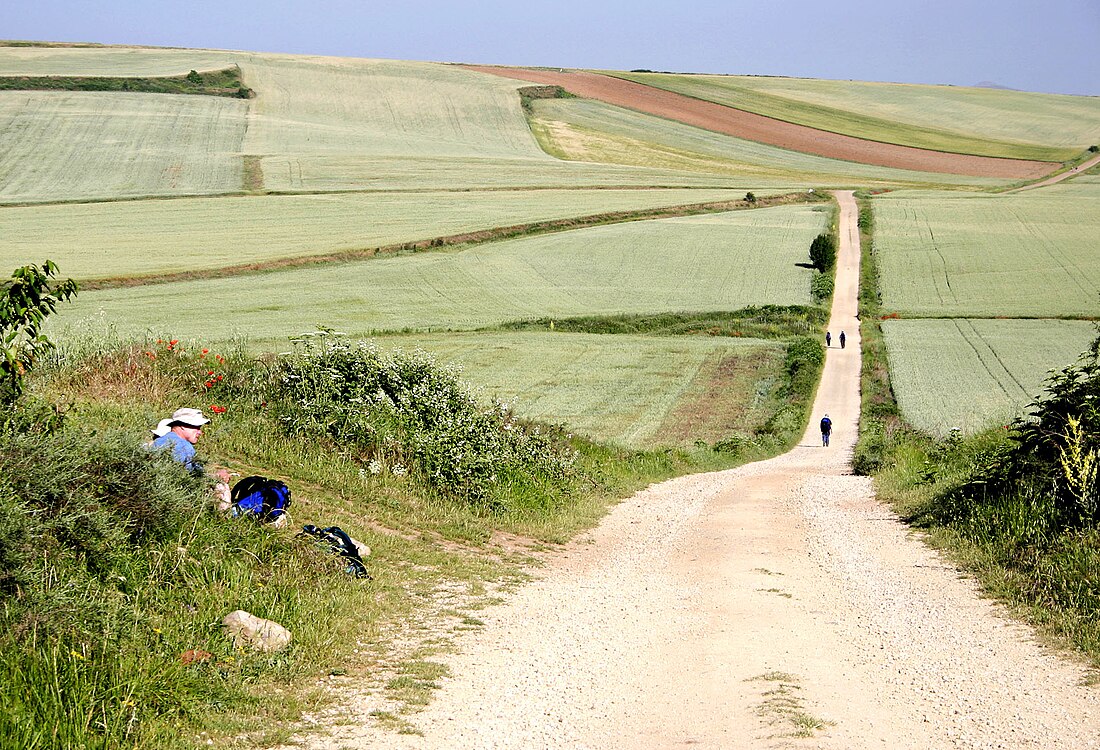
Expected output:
(753, 127)
(777, 605)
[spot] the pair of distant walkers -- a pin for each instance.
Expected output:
(829, 339)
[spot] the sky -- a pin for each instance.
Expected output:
(1051, 46)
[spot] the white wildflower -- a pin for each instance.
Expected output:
(374, 467)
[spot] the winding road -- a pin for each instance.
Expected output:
(773, 605)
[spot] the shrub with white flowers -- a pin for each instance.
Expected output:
(412, 414)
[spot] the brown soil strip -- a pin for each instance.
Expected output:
(753, 127)
(252, 174)
(710, 412)
(485, 235)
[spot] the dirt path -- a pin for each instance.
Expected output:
(1082, 167)
(729, 610)
(742, 124)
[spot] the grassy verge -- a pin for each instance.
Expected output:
(999, 523)
(226, 82)
(764, 322)
(113, 638)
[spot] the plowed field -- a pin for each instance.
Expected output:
(774, 132)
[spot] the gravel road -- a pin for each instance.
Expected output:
(774, 605)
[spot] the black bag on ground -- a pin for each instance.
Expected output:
(341, 544)
(260, 498)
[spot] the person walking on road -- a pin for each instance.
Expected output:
(842, 337)
(826, 430)
(828, 338)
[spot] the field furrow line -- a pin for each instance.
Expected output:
(1060, 260)
(973, 338)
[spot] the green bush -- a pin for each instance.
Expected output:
(821, 286)
(805, 356)
(406, 412)
(823, 252)
(26, 300)
(1054, 450)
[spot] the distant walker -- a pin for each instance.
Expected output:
(826, 430)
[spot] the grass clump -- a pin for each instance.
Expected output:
(225, 82)
(760, 322)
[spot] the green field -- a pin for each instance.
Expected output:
(382, 108)
(987, 122)
(624, 389)
(115, 239)
(588, 130)
(111, 61)
(87, 145)
(351, 172)
(1029, 254)
(701, 263)
(972, 374)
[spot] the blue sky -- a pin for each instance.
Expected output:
(1051, 46)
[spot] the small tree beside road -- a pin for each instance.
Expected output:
(823, 252)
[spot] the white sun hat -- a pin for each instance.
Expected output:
(188, 416)
(163, 428)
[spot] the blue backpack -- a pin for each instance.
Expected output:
(260, 498)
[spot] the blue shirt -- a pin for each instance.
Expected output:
(182, 450)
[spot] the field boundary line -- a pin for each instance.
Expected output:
(478, 237)
(265, 193)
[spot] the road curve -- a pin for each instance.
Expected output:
(754, 127)
(732, 609)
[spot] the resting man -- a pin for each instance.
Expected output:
(179, 433)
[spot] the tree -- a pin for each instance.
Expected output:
(25, 303)
(823, 252)
(194, 77)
